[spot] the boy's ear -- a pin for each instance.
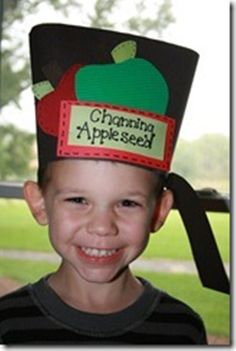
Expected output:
(35, 200)
(162, 209)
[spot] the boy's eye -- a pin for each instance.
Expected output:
(77, 200)
(129, 203)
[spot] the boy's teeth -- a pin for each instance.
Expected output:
(97, 253)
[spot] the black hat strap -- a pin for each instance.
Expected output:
(204, 248)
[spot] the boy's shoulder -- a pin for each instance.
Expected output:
(16, 304)
(14, 300)
(177, 313)
(170, 303)
(14, 294)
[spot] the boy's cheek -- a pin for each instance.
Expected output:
(64, 223)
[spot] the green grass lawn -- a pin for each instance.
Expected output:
(25, 271)
(211, 305)
(19, 231)
(172, 241)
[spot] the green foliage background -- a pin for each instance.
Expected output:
(16, 153)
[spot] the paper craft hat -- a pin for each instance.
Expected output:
(103, 94)
(113, 96)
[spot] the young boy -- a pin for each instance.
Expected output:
(106, 129)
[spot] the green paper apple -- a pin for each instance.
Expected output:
(129, 82)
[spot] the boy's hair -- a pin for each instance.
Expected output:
(44, 177)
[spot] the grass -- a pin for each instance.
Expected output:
(29, 271)
(212, 306)
(172, 241)
(19, 231)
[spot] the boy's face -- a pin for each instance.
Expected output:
(99, 215)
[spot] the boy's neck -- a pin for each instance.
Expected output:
(90, 297)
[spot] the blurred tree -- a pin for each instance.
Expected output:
(102, 10)
(204, 161)
(160, 20)
(16, 150)
(15, 71)
(212, 156)
(182, 159)
(15, 75)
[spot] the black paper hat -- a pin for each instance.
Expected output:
(107, 95)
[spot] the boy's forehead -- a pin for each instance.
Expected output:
(72, 165)
(90, 169)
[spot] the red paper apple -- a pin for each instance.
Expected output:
(48, 108)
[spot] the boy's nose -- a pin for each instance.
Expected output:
(102, 222)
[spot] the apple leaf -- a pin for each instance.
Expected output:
(124, 51)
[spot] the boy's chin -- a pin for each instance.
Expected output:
(104, 275)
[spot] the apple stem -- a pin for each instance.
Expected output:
(124, 51)
(42, 88)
